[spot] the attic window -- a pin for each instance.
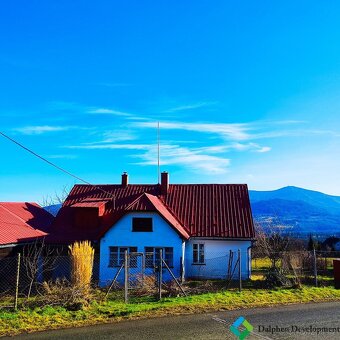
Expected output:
(142, 224)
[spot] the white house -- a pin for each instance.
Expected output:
(202, 229)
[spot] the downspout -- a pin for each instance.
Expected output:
(183, 261)
(249, 259)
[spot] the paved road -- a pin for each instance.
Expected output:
(205, 326)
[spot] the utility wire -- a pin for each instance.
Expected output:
(54, 165)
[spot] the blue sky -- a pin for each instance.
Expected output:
(244, 92)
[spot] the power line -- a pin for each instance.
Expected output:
(54, 165)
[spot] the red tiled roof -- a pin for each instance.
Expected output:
(201, 210)
(19, 222)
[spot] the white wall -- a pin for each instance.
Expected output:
(217, 259)
(121, 234)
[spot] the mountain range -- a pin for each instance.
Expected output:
(298, 211)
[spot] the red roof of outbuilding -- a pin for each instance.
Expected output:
(95, 204)
(19, 222)
(196, 210)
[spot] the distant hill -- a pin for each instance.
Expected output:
(53, 209)
(302, 211)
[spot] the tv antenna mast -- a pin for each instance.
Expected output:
(158, 153)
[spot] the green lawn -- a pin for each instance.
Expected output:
(36, 319)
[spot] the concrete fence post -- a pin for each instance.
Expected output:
(17, 282)
(126, 276)
(240, 270)
(160, 274)
(315, 269)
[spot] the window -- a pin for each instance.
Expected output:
(141, 224)
(152, 256)
(198, 253)
(117, 254)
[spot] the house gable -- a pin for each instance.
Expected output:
(122, 235)
(150, 203)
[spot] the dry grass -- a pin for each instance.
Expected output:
(147, 285)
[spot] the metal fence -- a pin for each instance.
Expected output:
(25, 280)
(301, 267)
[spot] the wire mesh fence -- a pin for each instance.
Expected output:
(48, 279)
(305, 262)
(8, 284)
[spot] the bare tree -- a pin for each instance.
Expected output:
(56, 198)
(271, 244)
(36, 258)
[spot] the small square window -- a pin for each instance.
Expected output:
(142, 224)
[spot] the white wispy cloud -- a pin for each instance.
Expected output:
(193, 159)
(228, 131)
(250, 147)
(105, 111)
(40, 129)
(118, 113)
(263, 149)
(114, 136)
(241, 132)
(197, 159)
(190, 106)
(79, 109)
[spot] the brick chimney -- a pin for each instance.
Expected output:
(125, 179)
(164, 183)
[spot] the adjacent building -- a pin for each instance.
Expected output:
(22, 223)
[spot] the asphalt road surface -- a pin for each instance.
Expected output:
(282, 321)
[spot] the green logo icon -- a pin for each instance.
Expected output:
(238, 330)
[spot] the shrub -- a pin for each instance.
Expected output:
(276, 278)
(61, 292)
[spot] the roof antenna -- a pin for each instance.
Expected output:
(158, 153)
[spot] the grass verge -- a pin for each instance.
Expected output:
(39, 319)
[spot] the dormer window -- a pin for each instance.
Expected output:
(142, 224)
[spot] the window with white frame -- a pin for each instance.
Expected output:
(116, 256)
(152, 256)
(198, 253)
